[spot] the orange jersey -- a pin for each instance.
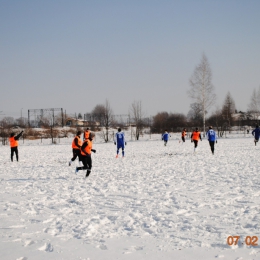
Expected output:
(196, 135)
(86, 147)
(183, 133)
(73, 145)
(13, 142)
(86, 134)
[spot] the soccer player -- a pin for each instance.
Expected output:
(256, 134)
(165, 137)
(85, 151)
(76, 144)
(13, 140)
(183, 134)
(119, 140)
(212, 138)
(195, 136)
(86, 134)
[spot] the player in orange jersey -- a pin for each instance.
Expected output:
(86, 134)
(86, 150)
(195, 136)
(13, 140)
(183, 134)
(76, 144)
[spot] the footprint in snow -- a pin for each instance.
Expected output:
(28, 243)
(47, 247)
(102, 247)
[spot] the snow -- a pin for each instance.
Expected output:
(156, 203)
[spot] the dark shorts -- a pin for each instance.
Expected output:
(195, 143)
(14, 150)
(120, 146)
(76, 153)
(87, 162)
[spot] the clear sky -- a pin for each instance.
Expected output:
(76, 54)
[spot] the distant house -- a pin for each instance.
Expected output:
(238, 116)
(74, 122)
(246, 116)
(79, 122)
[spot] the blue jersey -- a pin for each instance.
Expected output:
(120, 139)
(165, 136)
(211, 135)
(256, 133)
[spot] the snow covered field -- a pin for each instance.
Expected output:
(156, 203)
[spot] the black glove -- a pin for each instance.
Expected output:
(191, 140)
(114, 143)
(162, 139)
(93, 150)
(200, 139)
(125, 143)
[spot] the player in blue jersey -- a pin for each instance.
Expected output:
(256, 133)
(212, 138)
(120, 141)
(165, 137)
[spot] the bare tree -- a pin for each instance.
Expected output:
(217, 120)
(4, 130)
(228, 109)
(137, 116)
(108, 119)
(202, 90)
(8, 120)
(160, 122)
(59, 119)
(21, 122)
(254, 105)
(168, 121)
(104, 115)
(195, 114)
(98, 113)
(79, 116)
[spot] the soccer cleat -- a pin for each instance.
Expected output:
(76, 171)
(69, 163)
(87, 174)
